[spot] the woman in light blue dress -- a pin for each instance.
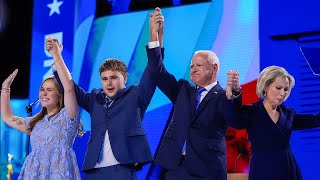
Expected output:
(53, 130)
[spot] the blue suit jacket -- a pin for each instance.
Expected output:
(204, 128)
(122, 120)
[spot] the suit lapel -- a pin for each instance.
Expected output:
(193, 94)
(283, 121)
(211, 94)
(118, 96)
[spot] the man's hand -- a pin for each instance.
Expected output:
(233, 83)
(161, 28)
(156, 22)
(233, 80)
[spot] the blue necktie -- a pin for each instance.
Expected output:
(200, 90)
(108, 101)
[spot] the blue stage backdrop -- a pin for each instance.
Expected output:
(93, 30)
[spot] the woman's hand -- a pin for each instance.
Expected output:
(54, 48)
(6, 84)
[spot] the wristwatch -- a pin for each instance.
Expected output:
(236, 93)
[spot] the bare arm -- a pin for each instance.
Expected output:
(7, 115)
(70, 101)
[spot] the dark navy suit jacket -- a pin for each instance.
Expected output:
(122, 120)
(270, 141)
(204, 129)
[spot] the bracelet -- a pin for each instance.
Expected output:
(237, 93)
(5, 88)
(60, 59)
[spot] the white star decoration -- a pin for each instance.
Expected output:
(54, 7)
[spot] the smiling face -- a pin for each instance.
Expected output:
(277, 91)
(112, 81)
(49, 94)
(202, 72)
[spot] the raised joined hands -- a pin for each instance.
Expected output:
(156, 22)
(233, 83)
(54, 47)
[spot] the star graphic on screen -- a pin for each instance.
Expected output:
(54, 7)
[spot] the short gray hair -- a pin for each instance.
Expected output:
(269, 75)
(212, 57)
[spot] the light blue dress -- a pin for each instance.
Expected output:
(52, 156)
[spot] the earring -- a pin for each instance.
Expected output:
(264, 93)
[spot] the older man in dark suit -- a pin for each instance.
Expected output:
(193, 146)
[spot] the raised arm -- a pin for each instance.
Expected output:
(235, 114)
(7, 115)
(70, 101)
(161, 30)
(83, 98)
(163, 79)
(147, 84)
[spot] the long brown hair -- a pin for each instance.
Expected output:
(43, 111)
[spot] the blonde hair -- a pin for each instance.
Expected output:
(269, 75)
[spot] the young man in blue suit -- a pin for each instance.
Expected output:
(193, 147)
(118, 145)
